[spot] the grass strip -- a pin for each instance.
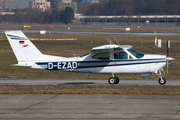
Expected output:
(91, 89)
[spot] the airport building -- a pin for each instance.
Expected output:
(42, 4)
(90, 1)
(131, 20)
(62, 4)
(79, 6)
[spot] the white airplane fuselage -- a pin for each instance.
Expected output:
(147, 64)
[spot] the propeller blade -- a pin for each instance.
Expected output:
(168, 46)
(169, 59)
(167, 66)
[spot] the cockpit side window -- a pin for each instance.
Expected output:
(118, 49)
(136, 53)
(130, 57)
(103, 56)
(120, 55)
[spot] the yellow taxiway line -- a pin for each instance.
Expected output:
(53, 39)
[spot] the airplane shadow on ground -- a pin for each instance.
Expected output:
(77, 83)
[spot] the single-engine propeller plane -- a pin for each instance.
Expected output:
(106, 59)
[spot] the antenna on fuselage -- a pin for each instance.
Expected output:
(117, 41)
(109, 40)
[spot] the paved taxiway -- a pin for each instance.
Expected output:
(129, 107)
(11, 81)
(89, 107)
(144, 33)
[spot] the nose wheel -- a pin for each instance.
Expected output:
(113, 80)
(162, 81)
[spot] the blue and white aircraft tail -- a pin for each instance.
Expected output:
(106, 59)
(24, 49)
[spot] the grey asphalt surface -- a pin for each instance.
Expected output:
(145, 33)
(12, 81)
(127, 107)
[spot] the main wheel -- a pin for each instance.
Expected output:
(112, 80)
(162, 81)
(117, 80)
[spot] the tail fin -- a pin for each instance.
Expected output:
(23, 48)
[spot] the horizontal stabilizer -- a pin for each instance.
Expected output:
(18, 65)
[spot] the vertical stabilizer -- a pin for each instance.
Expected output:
(23, 48)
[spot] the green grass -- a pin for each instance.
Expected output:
(90, 89)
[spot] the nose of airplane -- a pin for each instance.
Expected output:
(168, 58)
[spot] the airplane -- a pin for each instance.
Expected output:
(106, 59)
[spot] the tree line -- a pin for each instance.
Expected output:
(35, 15)
(132, 7)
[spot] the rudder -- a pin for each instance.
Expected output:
(23, 48)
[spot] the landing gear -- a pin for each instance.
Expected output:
(113, 80)
(162, 80)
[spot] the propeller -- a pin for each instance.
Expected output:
(168, 58)
(167, 65)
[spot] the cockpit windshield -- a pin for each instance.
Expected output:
(85, 54)
(136, 53)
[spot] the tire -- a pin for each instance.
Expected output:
(117, 80)
(162, 81)
(112, 80)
